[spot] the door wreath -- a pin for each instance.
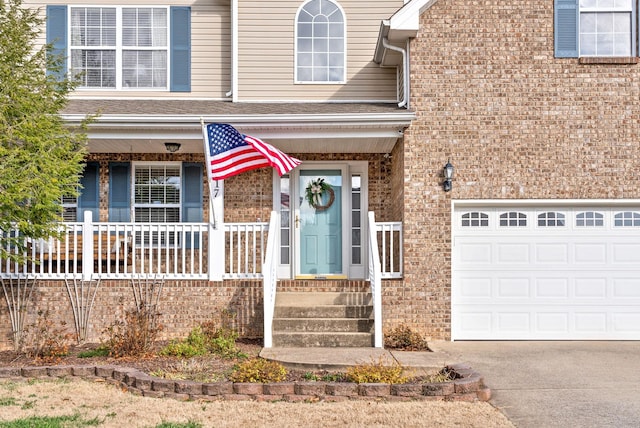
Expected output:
(315, 194)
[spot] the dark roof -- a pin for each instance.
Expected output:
(208, 108)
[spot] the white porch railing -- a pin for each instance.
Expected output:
(174, 250)
(389, 236)
(375, 279)
(245, 250)
(131, 250)
(270, 280)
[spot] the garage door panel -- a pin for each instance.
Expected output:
(546, 283)
(552, 322)
(513, 321)
(513, 253)
(475, 253)
(624, 288)
(626, 253)
(589, 253)
(590, 288)
(554, 253)
(591, 322)
(628, 322)
(475, 287)
(518, 287)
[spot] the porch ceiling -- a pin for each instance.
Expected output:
(133, 126)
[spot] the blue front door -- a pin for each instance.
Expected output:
(320, 222)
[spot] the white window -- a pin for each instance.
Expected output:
(119, 47)
(590, 219)
(356, 219)
(320, 43)
(69, 208)
(475, 219)
(606, 27)
(513, 219)
(551, 219)
(157, 193)
(627, 219)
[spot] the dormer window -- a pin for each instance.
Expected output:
(320, 43)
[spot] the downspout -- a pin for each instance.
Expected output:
(405, 71)
(234, 52)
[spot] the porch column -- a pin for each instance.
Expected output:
(216, 253)
(87, 246)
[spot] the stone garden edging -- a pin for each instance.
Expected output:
(469, 386)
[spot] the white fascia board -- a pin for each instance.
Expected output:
(408, 16)
(300, 126)
(403, 25)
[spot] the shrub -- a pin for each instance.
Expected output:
(135, 335)
(100, 351)
(46, 341)
(194, 344)
(222, 337)
(403, 338)
(376, 372)
(258, 370)
(203, 340)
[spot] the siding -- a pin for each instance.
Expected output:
(210, 49)
(266, 54)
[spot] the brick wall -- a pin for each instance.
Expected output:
(515, 122)
(182, 306)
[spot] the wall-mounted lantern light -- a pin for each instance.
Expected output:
(447, 171)
(172, 147)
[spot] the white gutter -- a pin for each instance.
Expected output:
(405, 71)
(234, 52)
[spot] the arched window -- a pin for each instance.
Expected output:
(590, 219)
(475, 219)
(551, 219)
(627, 219)
(513, 219)
(320, 43)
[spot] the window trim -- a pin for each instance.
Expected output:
(296, 79)
(134, 204)
(120, 48)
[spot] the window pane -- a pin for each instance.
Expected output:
(320, 29)
(305, 60)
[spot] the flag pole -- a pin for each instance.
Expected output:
(207, 165)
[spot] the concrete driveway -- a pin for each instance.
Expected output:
(557, 384)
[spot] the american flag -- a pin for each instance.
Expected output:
(230, 153)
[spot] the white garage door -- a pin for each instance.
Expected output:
(546, 273)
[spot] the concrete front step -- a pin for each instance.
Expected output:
(323, 298)
(342, 325)
(329, 311)
(322, 340)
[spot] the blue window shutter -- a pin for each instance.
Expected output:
(120, 192)
(89, 199)
(191, 197)
(566, 15)
(191, 192)
(180, 49)
(57, 35)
